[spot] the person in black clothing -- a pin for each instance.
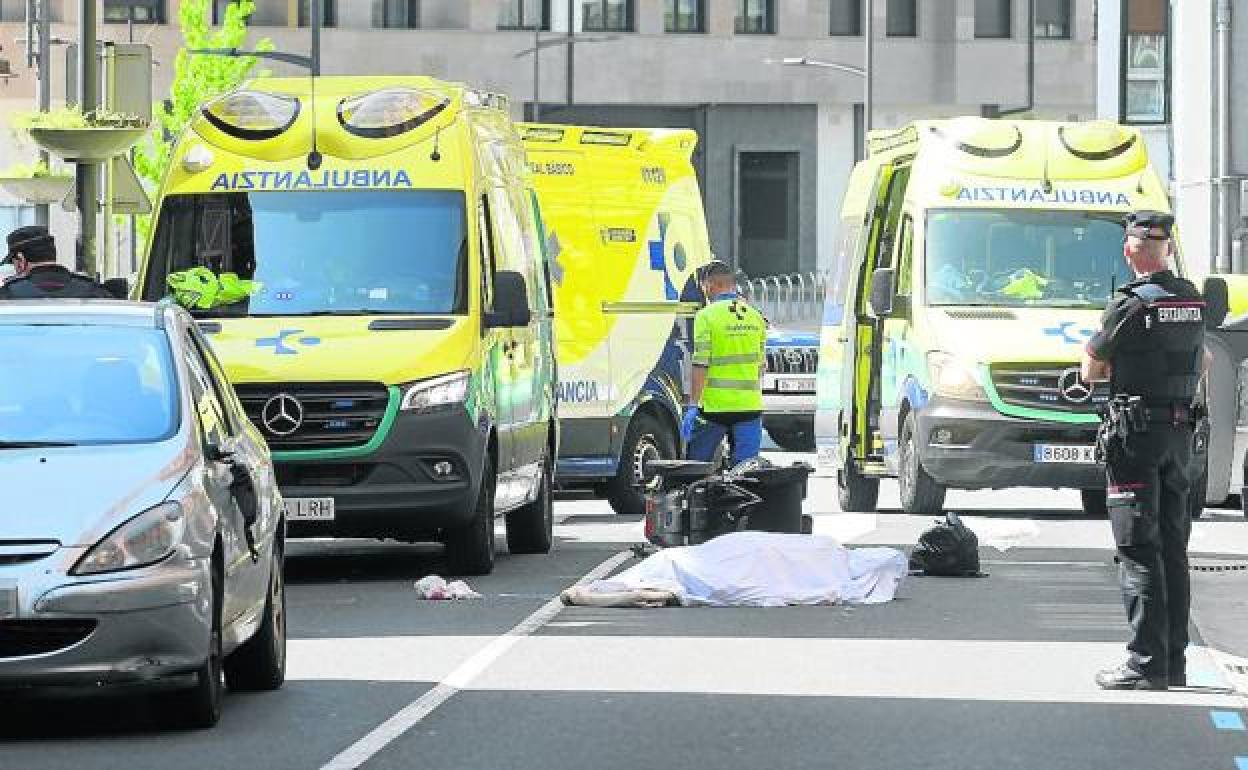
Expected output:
(32, 252)
(1151, 349)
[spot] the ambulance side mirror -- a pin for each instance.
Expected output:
(1217, 301)
(883, 282)
(511, 302)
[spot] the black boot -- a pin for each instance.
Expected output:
(1126, 678)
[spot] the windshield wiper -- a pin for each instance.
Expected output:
(34, 444)
(351, 312)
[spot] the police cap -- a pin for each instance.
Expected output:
(1150, 225)
(33, 242)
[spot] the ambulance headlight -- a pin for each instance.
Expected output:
(447, 390)
(952, 378)
(253, 114)
(389, 112)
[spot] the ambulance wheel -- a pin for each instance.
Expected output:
(856, 493)
(647, 440)
(793, 439)
(919, 492)
(530, 528)
(470, 548)
(1094, 504)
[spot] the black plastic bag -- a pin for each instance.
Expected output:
(949, 549)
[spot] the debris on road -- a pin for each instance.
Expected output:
(949, 549)
(752, 569)
(436, 588)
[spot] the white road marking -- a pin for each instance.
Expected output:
(367, 747)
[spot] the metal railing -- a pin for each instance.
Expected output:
(790, 298)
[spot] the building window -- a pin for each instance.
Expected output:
(756, 17)
(846, 16)
(687, 16)
(218, 11)
(607, 15)
(396, 14)
(1053, 19)
(523, 14)
(12, 10)
(903, 18)
(138, 11)
(329, 13)
(993, 18)
(1145, 91)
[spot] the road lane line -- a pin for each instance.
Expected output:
(411, 715)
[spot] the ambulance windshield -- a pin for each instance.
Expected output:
(1019, 258)
(361, 252)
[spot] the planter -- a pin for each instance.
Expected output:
(87, 145)
(38, 189)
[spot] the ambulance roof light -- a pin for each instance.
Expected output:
(1098, 140)
(253, 114)
(610, 138)
(980, 137)
(542, 134)
(389, 111)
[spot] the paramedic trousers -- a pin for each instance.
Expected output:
(746, 439)
(1147, 497)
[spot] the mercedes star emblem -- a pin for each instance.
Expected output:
(1073, 388)
(794, 357)
(282, 415)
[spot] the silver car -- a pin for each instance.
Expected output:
(141, 534)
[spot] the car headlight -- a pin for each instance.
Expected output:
(439, 391)
(146, 539)
(952, 378)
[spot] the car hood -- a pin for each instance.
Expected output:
(1025, 334)
(797, 338)
(76, 495)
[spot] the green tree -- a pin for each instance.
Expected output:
(197, 79)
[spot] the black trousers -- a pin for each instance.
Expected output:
(1148, 488)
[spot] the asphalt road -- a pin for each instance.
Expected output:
(956, 673)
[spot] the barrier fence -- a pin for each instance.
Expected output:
(794, 298)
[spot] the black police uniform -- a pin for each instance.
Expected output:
(52, 281)
(1153, 337)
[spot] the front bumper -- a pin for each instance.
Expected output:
(989, 450)
(133, 627)
(393, 491)
(788, 403)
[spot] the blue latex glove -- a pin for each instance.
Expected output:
(688, 422)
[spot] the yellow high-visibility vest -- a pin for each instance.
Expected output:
(729, 339)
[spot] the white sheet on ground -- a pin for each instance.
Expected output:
(761, 569)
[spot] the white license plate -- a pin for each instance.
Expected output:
(795, 384)
(309, 508)
(8, 599)
(1065, 453)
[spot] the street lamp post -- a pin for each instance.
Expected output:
(539, 45)
(850, 69)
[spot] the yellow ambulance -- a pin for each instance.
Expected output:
(626, 234)
(975, 259)
(364, 256)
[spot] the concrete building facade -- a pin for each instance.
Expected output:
(777, 142)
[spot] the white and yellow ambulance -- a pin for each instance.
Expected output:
(383, 306)
(625, 233)
(975, 260)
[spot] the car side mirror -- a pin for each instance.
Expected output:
(883, 282)
(511, 302)
(118, 287)
(1217, 301)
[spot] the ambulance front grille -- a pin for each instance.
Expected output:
(309, 416)
(1049, 387)
(792, 360)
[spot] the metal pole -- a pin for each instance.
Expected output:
(87, 174)
(44, 53)
(537, 65)
(1223, 262)
(571, 86)
(868, 32)
(134, 220)
(315, 23)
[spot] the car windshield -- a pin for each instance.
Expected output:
(85, 385)
(334, 252)
(1024, 258)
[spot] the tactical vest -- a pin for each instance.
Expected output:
(1162, 356)
(729, 337)
(53, 283)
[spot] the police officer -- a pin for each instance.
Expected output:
(32, 252)
(1151, 349)
(726, 394)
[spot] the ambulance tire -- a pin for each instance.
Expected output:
(920, 494)
(530, 528)
(647, 439)
(856, 493)
(793, 439)
(1095, 506)
(470, 548)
